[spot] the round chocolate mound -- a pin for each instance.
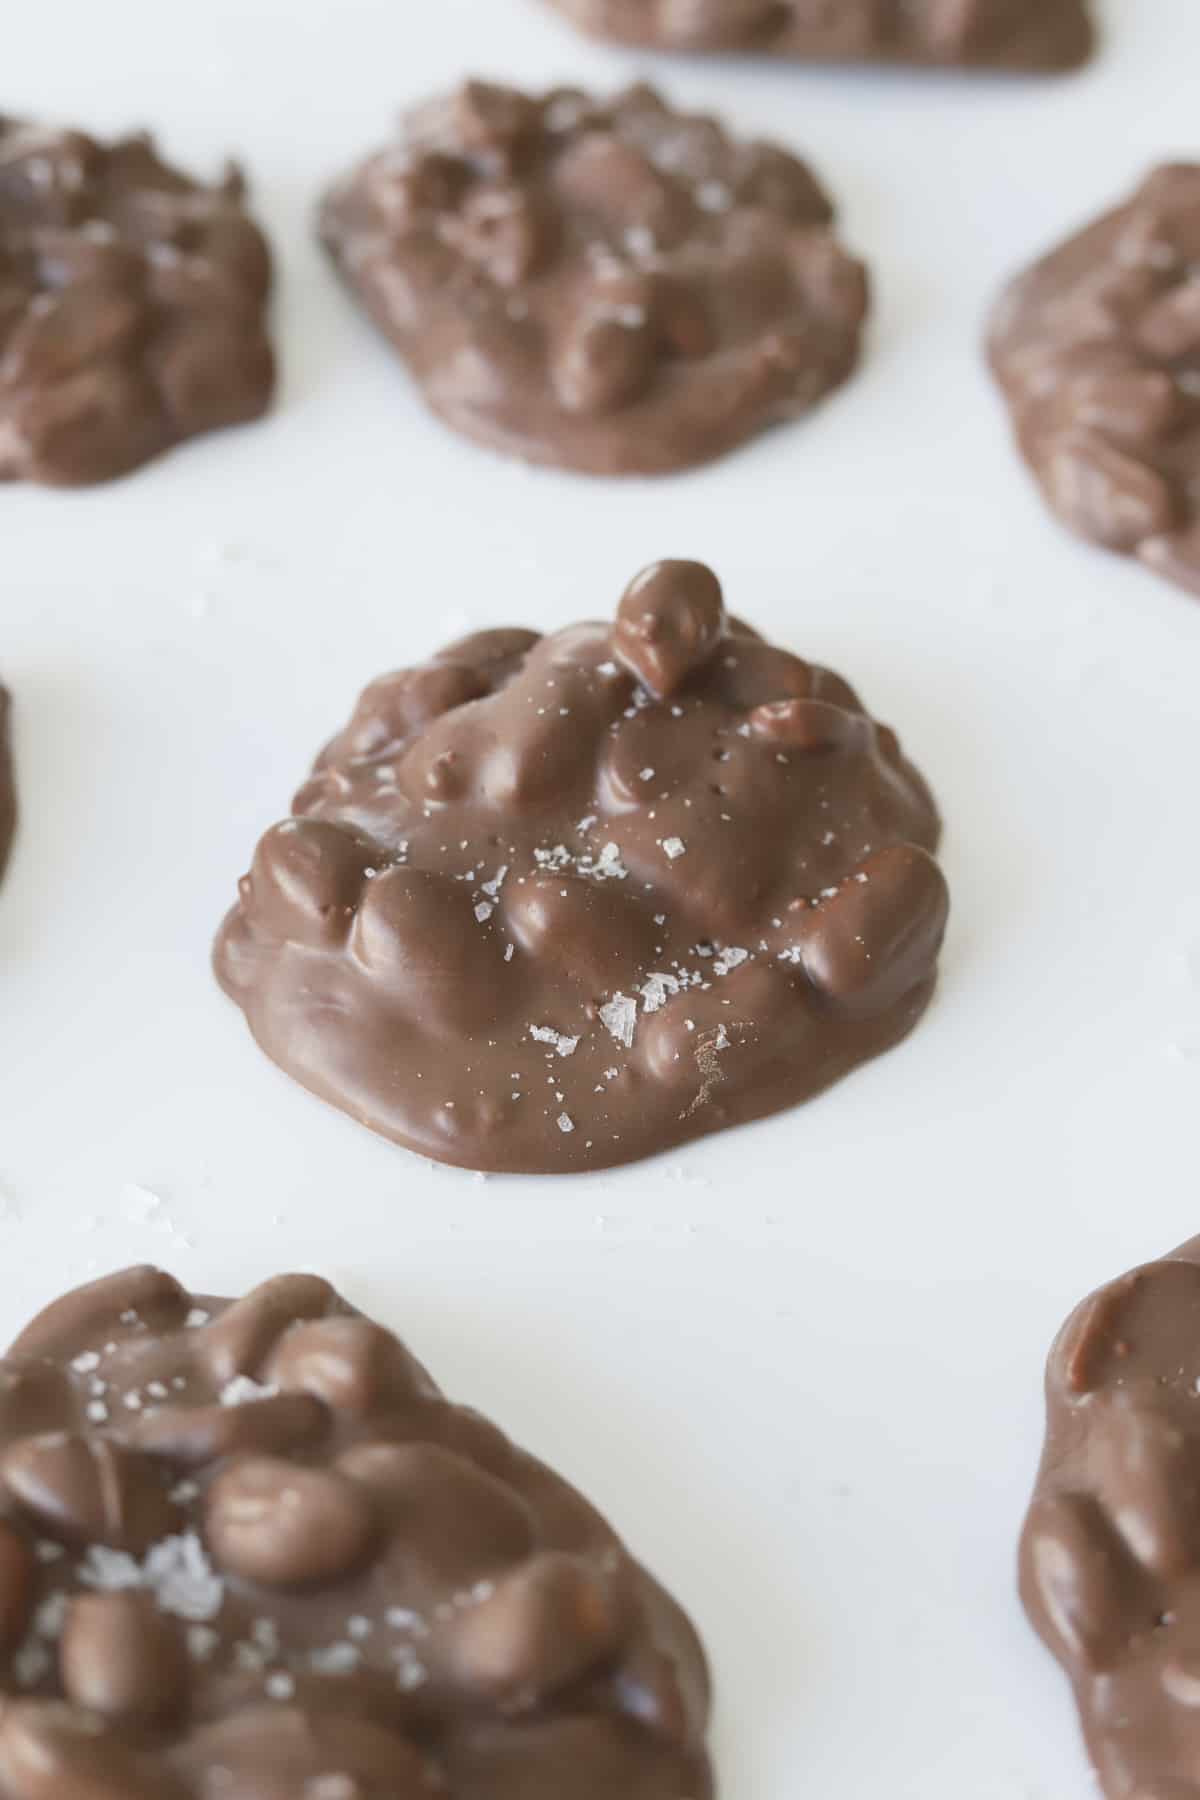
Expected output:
(1097, 348)
(1004, 34)
(8, 784)
(249, 1552)
(606, 285)
(552, 904)
(1110, 1558)
(132, 303)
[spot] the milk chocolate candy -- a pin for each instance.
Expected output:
(249, 1552)
(132, 304)
(8, 785)
(1001, 34)
(1110, 1558)
(607, 285)
(551, 904)
(1097, 349)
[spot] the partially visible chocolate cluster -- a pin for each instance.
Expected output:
(132, 305)
(8, 783)
(1098, 350)
(249, 1552)
(605, 284)
(1110, 1559)
(551, 904)
(1005, 34)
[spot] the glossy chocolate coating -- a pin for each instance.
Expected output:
(1110, 1558)
(1097, 348)
(1003, 34)
(132, 304)
(607, 285)
(8, 783)
(551, 904)
(249, 1552)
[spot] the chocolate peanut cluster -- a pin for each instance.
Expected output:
(1110, 1559)
(8, 785)
(1012, 34)
(249, 1552)
(603, 284)
(1098, 350)
(131, 306)
(552, 904)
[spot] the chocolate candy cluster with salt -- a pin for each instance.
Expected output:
(1002, 34)
(249, 1552)
(1110, 1558)
(608, 285)
(8, 783)
(1097, 348)
(132, 303)
(555, 903)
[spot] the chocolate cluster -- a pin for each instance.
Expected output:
(551, 904)
(249, 1552)
(132, 306)
(1110, 1559)
(604, 284)
(1098, 350)
(1006, 34)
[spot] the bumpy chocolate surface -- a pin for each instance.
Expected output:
(249, 1552)
(131, 306)
(8, 784)
(1098, 350)
(607, 285)
(551, 904)
(1110, 1559)
(1007, 34)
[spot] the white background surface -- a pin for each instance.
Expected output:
(800, 1364)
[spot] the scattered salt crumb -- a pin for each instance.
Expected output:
(546, 1034)
(202, 1640)
(83, 1365)
(139, 1203)
(280, 1687)
(176, 1571)
(657, 989)
(565, 1123)
(243, 1389)
(484, 911)
(674, 847)
(619, 1017)
(730, 958)
(196, 1318)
